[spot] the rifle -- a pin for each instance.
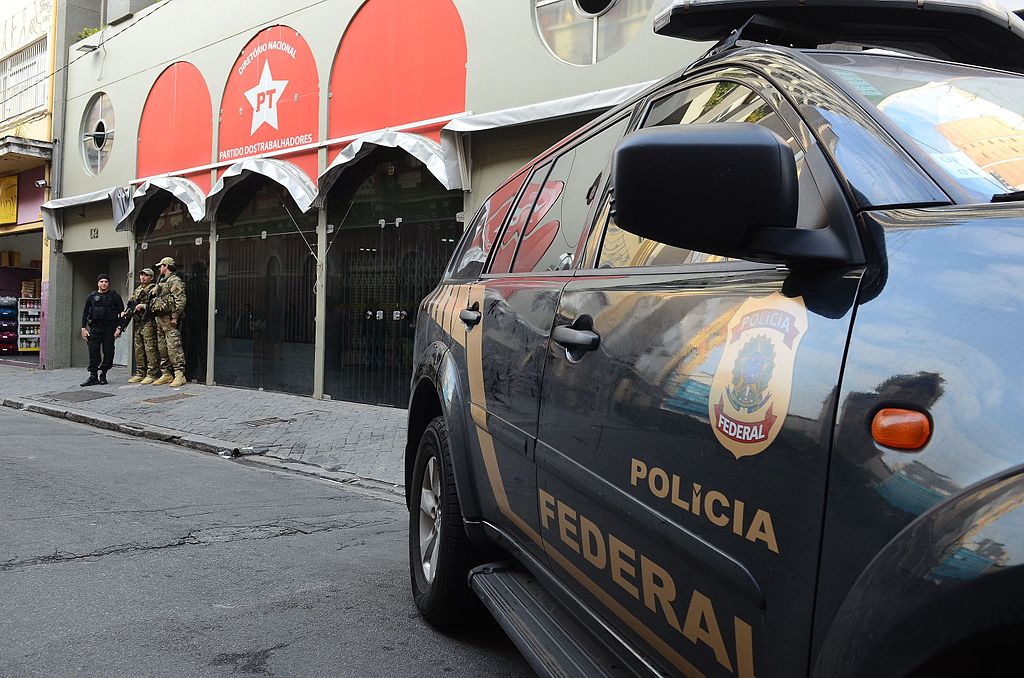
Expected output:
(146, 298)
(143, 315)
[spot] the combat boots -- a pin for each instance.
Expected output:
(179, 380)
(136, 379)
(148, 380)
(92, 380)
(103, 378)
(165, 378)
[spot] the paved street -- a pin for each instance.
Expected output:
(365, 441)
(124, 556)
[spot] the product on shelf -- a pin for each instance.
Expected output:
(29, 323)
(30, 289)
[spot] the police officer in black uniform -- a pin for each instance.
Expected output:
(100, 327)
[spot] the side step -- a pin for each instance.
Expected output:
(550, 638)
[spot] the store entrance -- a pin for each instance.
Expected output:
(164, 228)
(86, 266)
(392, 228)
(21, 255)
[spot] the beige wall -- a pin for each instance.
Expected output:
(78, 225)
(508, 65)
(500, 152)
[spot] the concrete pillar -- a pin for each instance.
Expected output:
(319, 337)
(61, 319)
(211, 306)
(320, 327)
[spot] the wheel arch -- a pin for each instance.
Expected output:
(931, 590)
(437, 391)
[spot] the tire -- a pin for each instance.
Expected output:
(440, 553)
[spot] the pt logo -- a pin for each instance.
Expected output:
(751, 388)
(264, 98)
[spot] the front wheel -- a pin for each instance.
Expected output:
(440, 553)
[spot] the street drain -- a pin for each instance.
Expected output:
(263, 422)
(78, 396)
(167, 398)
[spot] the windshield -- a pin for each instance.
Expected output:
(968, 120)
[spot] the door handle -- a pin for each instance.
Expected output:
(470, 316)
(575, 340)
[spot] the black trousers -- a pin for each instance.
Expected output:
(101, 336)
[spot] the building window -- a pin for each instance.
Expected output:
(97, 133)
(23, 81)
(584, 32)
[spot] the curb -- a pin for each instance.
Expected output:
(202, 443)
(390, 491)
(165, 435)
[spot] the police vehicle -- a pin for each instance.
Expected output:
(728, 382)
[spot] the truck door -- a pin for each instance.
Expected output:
(515, 307)
(508, 319)
(682, 456)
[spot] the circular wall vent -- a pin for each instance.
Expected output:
(583, 32)
(97, 133)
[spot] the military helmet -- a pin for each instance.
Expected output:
(166, 261)
(147, 271)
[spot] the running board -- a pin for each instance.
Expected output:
(550, 638)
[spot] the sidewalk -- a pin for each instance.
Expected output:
(350, 441)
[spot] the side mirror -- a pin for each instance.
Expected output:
(729, 189)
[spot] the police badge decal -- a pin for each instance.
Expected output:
(750, 391)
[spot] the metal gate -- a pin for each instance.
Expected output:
(172, 233)
(388, 255)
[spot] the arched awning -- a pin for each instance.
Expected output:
(184, 190)
(442, 162)
(53, 210)
(295, 181)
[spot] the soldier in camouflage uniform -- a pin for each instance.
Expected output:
(168, 305)
(147, 359)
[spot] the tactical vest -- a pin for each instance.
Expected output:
(165, 299)
(102, 307)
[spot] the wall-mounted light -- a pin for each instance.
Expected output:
(87, 48)
(41, 183)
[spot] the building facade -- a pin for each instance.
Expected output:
(310, 168)
(26, 59)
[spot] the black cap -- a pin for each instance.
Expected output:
(103, 276)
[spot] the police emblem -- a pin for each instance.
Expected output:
(751, 388)
(751, 374)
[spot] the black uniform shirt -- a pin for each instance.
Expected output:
(102, 307)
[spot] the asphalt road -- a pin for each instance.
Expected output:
(120, 557)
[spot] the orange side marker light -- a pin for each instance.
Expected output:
(901, 429)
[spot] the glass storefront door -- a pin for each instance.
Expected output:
(165, 229)
(392, 229)
(265, 301)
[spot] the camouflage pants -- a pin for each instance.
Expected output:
(172, 356)
(147, 356)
